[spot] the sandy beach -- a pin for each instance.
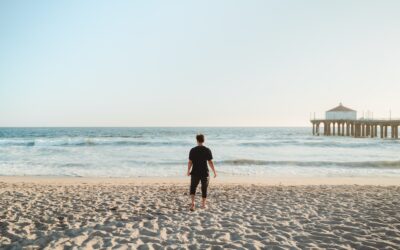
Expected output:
(84, 213)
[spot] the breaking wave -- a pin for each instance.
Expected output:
(87, 142)
(359, 164)
(319, 144)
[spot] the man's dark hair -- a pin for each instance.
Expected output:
(200, 138)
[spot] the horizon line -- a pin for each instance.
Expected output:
(285, 126)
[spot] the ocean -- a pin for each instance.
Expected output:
(136, 152)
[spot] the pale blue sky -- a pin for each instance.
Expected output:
(195, 63)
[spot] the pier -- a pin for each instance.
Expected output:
(342, 121)
(356, 128)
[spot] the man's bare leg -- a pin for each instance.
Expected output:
(203, 202)
(192, 205)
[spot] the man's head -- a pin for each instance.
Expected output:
(200, 138)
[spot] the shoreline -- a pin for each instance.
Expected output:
(224, 180)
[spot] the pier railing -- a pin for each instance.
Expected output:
(360, 119)
(380, 119)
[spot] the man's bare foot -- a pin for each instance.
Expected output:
(191, 207)
(203, 206)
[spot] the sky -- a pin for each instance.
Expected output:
(196, 63)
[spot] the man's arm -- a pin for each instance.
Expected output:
(190, 164)
(211, 164)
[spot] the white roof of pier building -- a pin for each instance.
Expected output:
(341, 108)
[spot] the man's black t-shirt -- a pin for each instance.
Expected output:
(199, 156)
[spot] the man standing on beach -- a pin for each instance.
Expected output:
(199, 156)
